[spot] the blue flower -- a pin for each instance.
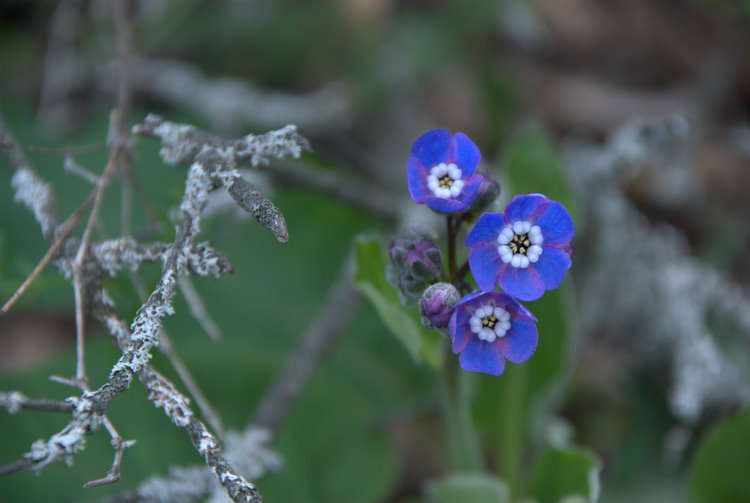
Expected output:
(525, 250)
(440, 171)
(488, 328)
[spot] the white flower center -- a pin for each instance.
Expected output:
(445, 180)
(490, 322)
(520, 244)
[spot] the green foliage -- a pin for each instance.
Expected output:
(720, 465)
(468, 488)
(404, 323)
(566, 476)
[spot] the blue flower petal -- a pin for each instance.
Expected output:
(485, 262)
(416, 178)
(471, 299)
(552, 265)
(487, 228)
(444, 205)
(465, 154)
(520, 342)
(472, 186)
(482, 356)
(523, 284)
(432, 148)
(460, 336)
(520, 311)
(556, 224)
(526, 207)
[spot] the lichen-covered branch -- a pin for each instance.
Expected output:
(214, 160)
(210, 169)
(261, 209)
(181, 143)
(247, 450)
(201, 259)
(15, 401)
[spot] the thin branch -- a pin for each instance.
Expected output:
(71, 166)
(15, 401)
(16, 466)
(233, 104)
(340, 305)
(75, 149)
(78, 262)
(198, 309)
(113, 475)
(62, 71)
(64, 233)
(365, 196)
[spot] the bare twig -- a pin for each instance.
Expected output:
(16, 466)
(340, 305)
(78, 262)
(113, 475)
(64, 232)
(15, 401)
(74, 149)
(62, 70)
(233, 104)
(370, 198)
(71, 166)
(198, 309)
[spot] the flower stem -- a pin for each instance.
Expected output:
(460, 273)
(462, 438)
(451, 228)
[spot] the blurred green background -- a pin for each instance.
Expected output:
(363, 78)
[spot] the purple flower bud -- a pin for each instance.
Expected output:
(415, 261)
(424, 260)
(489, 189)
(437, 304)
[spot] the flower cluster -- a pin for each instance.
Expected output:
(525, 250)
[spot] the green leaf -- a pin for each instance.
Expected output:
(369, 278)
(534, 165)
(566, 475)
(468, 488)
(720, 465)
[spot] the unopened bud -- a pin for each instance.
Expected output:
(488, 192)
(424, 260)
(415, 261)
(437, 304)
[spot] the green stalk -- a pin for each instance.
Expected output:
(513, 429)
(462, 437)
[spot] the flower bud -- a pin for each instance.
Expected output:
(415, 261)
(437, 304)
(488, 192)
(424, 260)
